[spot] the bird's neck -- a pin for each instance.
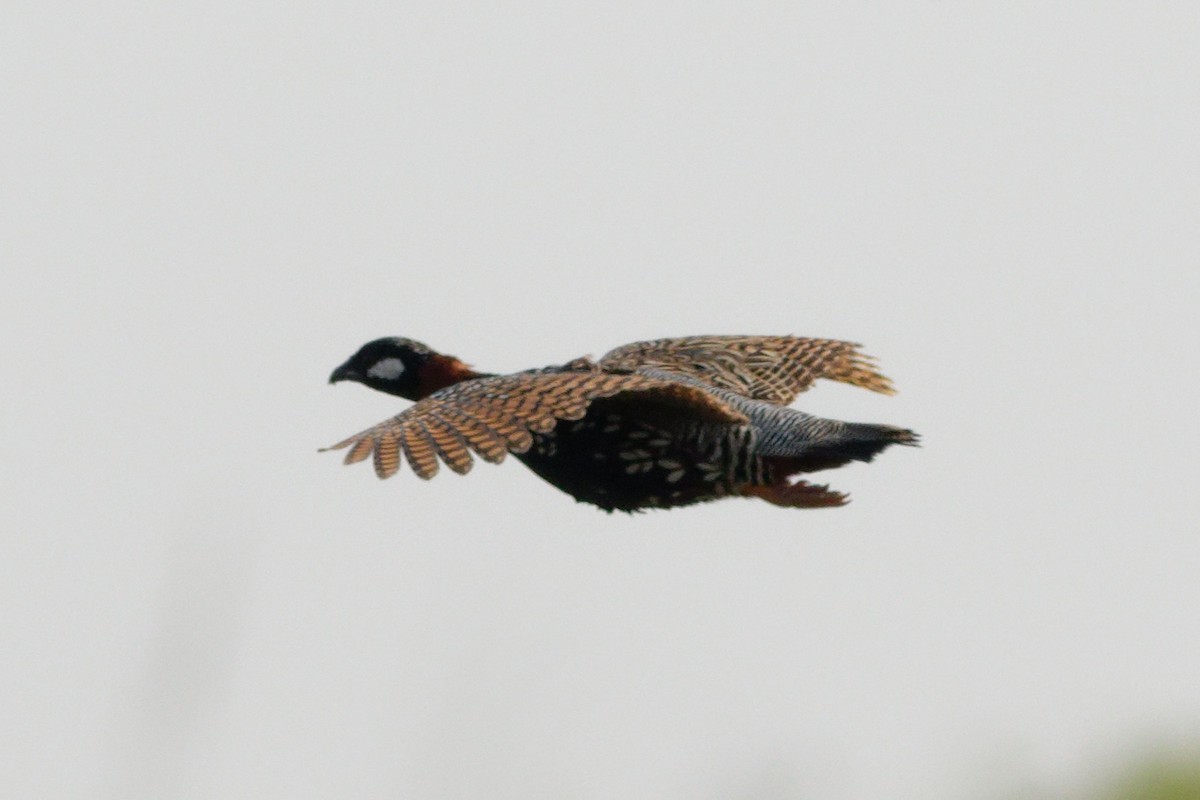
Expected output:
(442, 371)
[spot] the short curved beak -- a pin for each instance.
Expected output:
(343, 373)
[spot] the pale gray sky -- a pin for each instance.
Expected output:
(205, 207)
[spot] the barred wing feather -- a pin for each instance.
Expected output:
(770, 368)
(499, 415)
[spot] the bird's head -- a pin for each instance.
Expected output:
(402, 367)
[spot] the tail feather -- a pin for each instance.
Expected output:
(863, 441)
(856, 442)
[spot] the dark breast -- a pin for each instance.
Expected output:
(627, 454)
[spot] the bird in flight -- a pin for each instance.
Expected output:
(655, 424)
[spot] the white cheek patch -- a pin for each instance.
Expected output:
(387, 369)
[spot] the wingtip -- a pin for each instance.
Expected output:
(862, 370)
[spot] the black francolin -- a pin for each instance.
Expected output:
(654, 424)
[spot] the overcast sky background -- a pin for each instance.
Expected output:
(208, 206)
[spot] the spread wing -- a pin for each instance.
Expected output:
(770, 368)
(499, 415)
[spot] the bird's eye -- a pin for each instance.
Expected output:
(387, 369)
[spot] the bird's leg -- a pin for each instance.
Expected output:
(797, 495)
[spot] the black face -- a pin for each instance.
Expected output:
(391, 365)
